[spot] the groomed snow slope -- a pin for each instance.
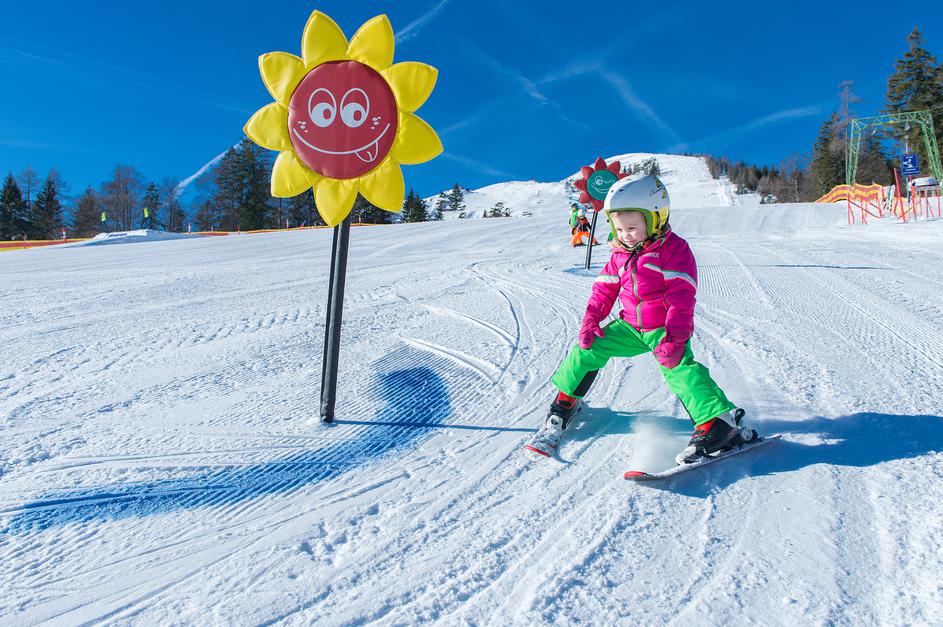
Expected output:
(162, 463)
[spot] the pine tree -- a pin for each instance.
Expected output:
(369, 214)
(303, 211)
(47, 210)
(151, 205)
(208, 217)
(87, 218)
(254, 211)
(173, 209)
(456, 198)
(240, 189)
(221, 210)
(414, 208)
(873, 164)
(826, 168)
(12, 207)
(497, 211)
(650, 166)
(406, 211)
(915, 85)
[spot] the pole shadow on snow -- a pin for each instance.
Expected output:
(856, 441)
(594, 269)
(440, 425)
(793, 265)
(416, 400)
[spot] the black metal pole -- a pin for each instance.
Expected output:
(335, 312)
(592, 236)
(327, 314)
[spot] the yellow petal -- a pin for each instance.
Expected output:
(416, 142)
(411, 83)
(323, 40)
(373, 44)
(281, 73)
(290, 176)
(335, 198)
(384, 187)
(268, 127)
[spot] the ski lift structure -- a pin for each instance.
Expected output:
(918, 194)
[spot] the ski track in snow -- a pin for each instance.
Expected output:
(161, 459)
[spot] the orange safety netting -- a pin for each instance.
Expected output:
(868, 199)
(33, 243)
(853, 192)
(24, 244)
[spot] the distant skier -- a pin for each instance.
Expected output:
(653, 272)
(574, 214)
(581, 230)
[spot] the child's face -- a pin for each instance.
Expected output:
(630, 227)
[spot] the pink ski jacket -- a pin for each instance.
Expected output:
(656, 286)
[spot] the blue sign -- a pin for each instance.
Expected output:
(909, 165)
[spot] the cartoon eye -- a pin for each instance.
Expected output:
(355, 107)
(322, 107)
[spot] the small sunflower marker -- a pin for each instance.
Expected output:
(343, 122)
(594, 183)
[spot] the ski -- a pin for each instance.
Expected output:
(639, 475)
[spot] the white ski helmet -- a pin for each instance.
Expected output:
(644, 193)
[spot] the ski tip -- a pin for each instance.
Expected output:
(530, 448)
(635, 474)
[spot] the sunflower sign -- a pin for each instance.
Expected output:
(343, 118)
(343, 122)
(594, 183)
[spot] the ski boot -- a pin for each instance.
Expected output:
(547, 438)
(717, 434)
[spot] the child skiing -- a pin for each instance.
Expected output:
(574, 214)
(653, 273)
(581, 230)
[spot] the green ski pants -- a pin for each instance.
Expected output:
(689, 380)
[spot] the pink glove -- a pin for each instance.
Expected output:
(669, 353)
(589, 331)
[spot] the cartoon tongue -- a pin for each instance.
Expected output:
(369, 153)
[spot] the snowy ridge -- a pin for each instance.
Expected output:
(186, 189)
(161, 460)
(689, 181)
(687, 178)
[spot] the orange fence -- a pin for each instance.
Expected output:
(868, 199)
(294, 228)
(34, 243)
(841, 192)
(871, 200)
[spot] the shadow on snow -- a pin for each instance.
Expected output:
(417, 401)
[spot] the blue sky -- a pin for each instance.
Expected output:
(527, 90)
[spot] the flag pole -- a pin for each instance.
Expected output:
(592, 238)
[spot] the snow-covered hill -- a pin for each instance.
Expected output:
(161, 459)
(687, 178)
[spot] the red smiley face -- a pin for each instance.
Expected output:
(342, 119)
